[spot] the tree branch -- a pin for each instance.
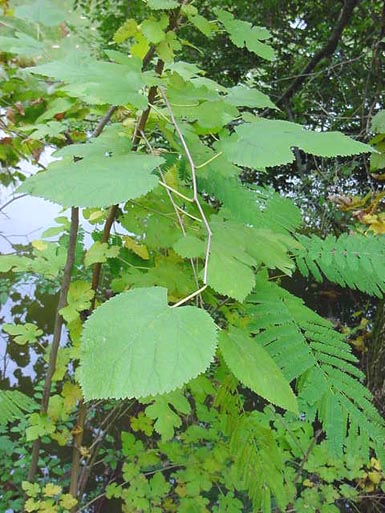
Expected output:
(326, 51)
(57, 334)
(82, 413)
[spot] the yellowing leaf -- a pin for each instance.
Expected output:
(50, 490)
(376, 222)
(40, 245)
(32, 505)
(79, 298)
(375, 463)
(128, 29)
(31, 489)
(139, 249)
(72, 394)
(62, 437)
(171, 177)
(99, 252)
(67, 501)
(84, 451)
(375, 477)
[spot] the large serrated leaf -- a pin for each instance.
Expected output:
(95, 181)
(265, 143)
(143, 347)
(98, 81)
(237, 249)
(42, 11)
(255, 368)
(242, 96)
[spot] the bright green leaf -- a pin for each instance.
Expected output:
(152, 348)
(95, 181)
(265, 143)
(128, 29)
(154, 30)
(166, 420)
(24, 333)
(98, 81)
(31, 489)
(243, 34)
(67, 501)
(253, 366)
(202, 24)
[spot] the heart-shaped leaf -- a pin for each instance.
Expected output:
(141, 346)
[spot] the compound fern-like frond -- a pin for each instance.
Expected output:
(307, 348)
(353, 260)
(13, 405)
(257, 206)
(258, 462)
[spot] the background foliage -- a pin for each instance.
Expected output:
(183, 177)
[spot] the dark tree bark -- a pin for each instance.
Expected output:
(325, 52)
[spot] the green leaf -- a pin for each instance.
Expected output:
(378, 123)
(44, 12)
(377, 160)
(32, 505)
(236, 249)
(78, 299)
(166, 420)
(243, 34)
(253, 366)
(42, 130)
(95, 181)
(98, 81)
(154, 30)
(99, 252)
(13, 404)
(24, 333)
(190, 246)
(22, 44)
(162, 4)
(57, 106)
(353, 260)
(67, 501)
(202, 24)
(242, 96)
(143, 347)
(113, 141)
(128, 29)
(41, 425)
(265, 143)
(31, 489)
